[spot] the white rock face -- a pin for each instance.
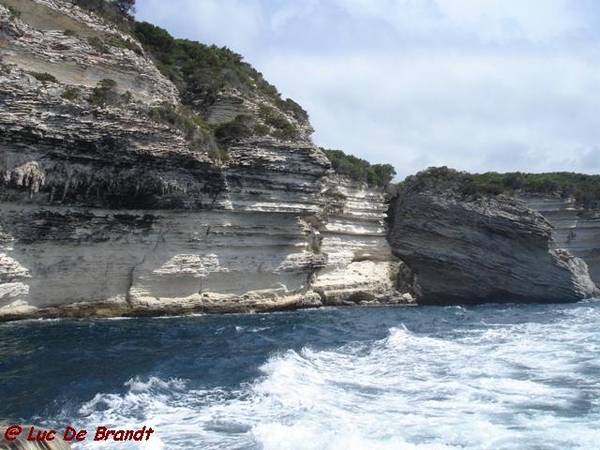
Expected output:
(91, 50)
(106, 211)
(66, 261)
(13, 289)
(354, 240)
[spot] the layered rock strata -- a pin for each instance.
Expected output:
(573, 228)
(466, 249)
(106, 211)
(353, 236)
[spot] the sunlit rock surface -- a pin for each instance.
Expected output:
(104, 211)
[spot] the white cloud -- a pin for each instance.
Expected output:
(494, 19)
(454, 108)
(234, 23)
(590, 158)
(486, 19)
(474, 84)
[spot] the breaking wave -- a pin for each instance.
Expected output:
(488, 378)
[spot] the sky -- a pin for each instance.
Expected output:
(476, 85)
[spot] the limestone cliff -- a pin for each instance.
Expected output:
(466, 248)
(118, 199)
(573, 228)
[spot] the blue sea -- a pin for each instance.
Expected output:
(480, 377)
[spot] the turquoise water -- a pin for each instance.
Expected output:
(481, 377)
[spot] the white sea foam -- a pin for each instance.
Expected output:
(241, 329)
(178, 316)
(523, 386)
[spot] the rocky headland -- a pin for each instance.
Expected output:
(144, 175)
(465, 247)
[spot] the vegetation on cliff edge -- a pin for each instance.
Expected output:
(201, 72)
(357, 169)
(119, 12)
(585, 189)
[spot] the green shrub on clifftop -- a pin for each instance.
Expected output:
(358, 169)
(200, 71)
(585, 189)
(283, 128)
(118, 12)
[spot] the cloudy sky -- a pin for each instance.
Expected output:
(477, 85)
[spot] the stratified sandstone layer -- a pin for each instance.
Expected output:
(466, 249)
(106, 211)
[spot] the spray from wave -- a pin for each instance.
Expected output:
(487, 386)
